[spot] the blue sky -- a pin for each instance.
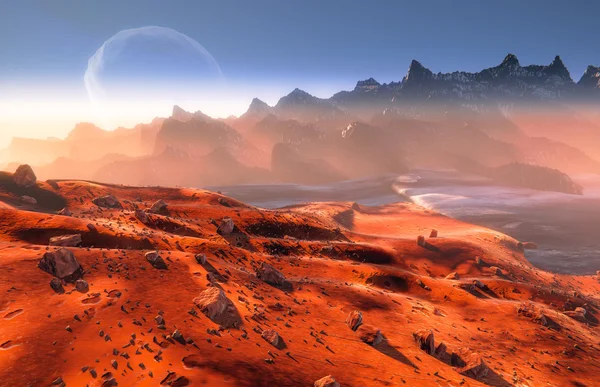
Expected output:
(267, 48)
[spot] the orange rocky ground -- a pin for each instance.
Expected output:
(502, 322)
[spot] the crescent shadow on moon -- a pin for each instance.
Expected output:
(96, 63)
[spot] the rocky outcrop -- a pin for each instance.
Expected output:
(327, 381)
(72, 240)
(212, 302)
(61, 264)
(158, 207)
(156, 260)
(272, 337)
(469, 363)
(24, 177)
(425, 340)
(107, 201)
(28, 200)
(65, 212)
(270, 274)
(369, 334)
(354, 320)
(142, 216)
(226, 227)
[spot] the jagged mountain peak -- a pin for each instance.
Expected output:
(557, 67)
(417, 72)
(510, 60)
(259, 107)
(299, 93)
(297, 96)
(367, 84)
(183, 115)
(591, 77)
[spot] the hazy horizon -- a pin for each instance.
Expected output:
(42, 91)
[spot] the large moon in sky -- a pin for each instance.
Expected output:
(140, 73)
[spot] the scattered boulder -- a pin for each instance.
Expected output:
(576, 314)
(71, 240)
(24, 177)
(200, 258)
(369, 334)
(272, 337)
(142, 216)
(440, 350)
(433, 234)
(479, 284)
(56, 285)
(226, 227)
(178, 336)
(421, 241)
(496, 270)
(425, 340)
(270, 274)
(327, 381)
(107, 201)
(64, 212)
(469, 363)
(91, 227)
(212, 302)
(453, 276)
(158, 207)
(546, 321)
(53, 184)
(61, 264)
(422, 284)
(354, 320)
(82, 286)
(28, 200)
(156, 260)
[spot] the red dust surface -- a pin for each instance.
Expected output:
(502, 321)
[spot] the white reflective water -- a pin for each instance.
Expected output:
(564, 226)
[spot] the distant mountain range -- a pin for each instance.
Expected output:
(507, 115)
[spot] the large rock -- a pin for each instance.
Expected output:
(270, 274)
(82, 286)
(107, 201)
(24, 176)
(212, 302)
(61, 264)
(66, 240)
(354, 320)
(327, 381)
(226, 227)
(28, 199)
(369, 334)
(158, 207)
(425, 340)
(64, 212)
(577, 314)
(142, 216)
(272, 337)
(56, 285)
(469, 363)
(156, 260)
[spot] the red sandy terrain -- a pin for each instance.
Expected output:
(502, 321)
